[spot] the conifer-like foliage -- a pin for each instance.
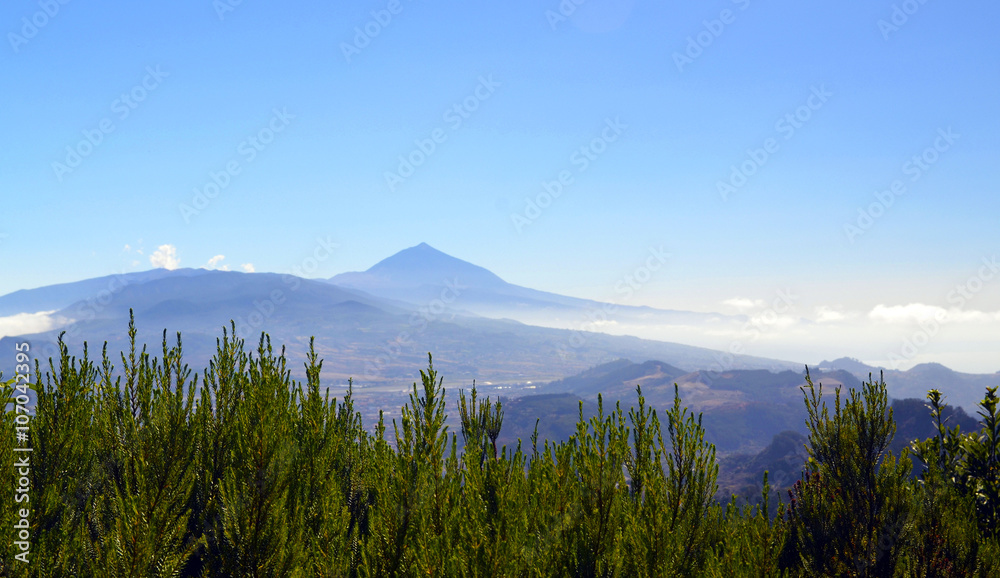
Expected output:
(141, 467)
(956, 527)
(849, 511)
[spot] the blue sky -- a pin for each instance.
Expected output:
(816, 107)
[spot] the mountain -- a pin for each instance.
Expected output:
(742, 408)
(380, 342)
(377, 327)
(421, 274)
(913, 421)
(94, 291)
(556, 415)
(755, 418)
(201, 303)
(421, 268)
(960, 389)
(617, 377)
(848, 364)
(743, 474)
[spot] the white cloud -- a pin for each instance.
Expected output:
(248, 267)
(743, 303)
(923, 312)
(907, 313)
(28, 323)
(826, 315)
(213, 263)
(771, 320)
(165, 256)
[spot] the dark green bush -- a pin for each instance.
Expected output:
(142, 468)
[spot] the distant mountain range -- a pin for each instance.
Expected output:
(755, 418)
(63, 295)
(743, 408)
(962, 389)
(375, 338)
(378, 325)
(746, 407)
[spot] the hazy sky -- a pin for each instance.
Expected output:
(846, 152)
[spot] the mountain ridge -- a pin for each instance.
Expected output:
(372, 339)
(361, 327)
(476, 290)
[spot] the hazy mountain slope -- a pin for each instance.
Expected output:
(615, 376)
(61, 296)
(964, 389)
(421, 274)
(416, 267)
(201, 305)
(556, 415)
(369, 338)
(426, 302)
(743, 408)
(961, 389)
(913, 421)
(743, 474)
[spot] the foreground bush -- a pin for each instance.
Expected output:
(142, 468)
(849, 512)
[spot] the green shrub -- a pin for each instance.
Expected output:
(141, 468)
(849, 512)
